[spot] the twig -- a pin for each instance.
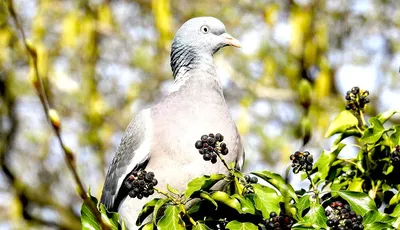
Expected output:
(53, 117)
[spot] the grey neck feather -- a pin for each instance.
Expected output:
(185, 59)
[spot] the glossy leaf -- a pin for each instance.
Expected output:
(171, 219)
(359, 202)
(200, 226)
(325, 161)
(278, 182)
(236, 225)
(383, 117)
(224, 198)
(374, 132)
(266, 200)
(302, 204)
(146, 211)
(344, 121)
(316, 215)
(202, 182)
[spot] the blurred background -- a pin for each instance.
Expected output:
(103, 61)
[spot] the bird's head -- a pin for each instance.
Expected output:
(199, 38)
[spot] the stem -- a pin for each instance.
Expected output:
(223, 161)
(313, 186)
(351, 162)
(362, 118)
(177, 202)
(39, 86)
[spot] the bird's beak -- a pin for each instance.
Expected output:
(231, 40)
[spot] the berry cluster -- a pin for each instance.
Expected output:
(395, 156)
(301, 161)
(276, 222)
(340, 216)
(141, 184)
(251, 179)
(356, 99)
(210, 145)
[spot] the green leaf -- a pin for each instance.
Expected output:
(224, 198)
(157, 207)
(356, 185)
(207, 196)
(395, 136)
(345, 120)
(266, 200)
(374, 132)
(278, 182)
(383, 117)
(203, 182)
(172, 190)
(146, 210)
(316, 215)
(301, 205)
(359, 202)
(88, 218)
(236, 225)
(396, 213)
(378, 225)
(325, 161)
(171, 219)
(200, 226)
(352, 132)
(246, 203)
(148, 226)
(376, 216)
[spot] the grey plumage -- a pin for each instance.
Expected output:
(161, 139)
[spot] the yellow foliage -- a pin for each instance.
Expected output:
(243, 123)
(70, 32)
(270, 69)
(310, 53)
(105, 18)
(300, 22)
(323, 84)
(42, 60)
(271, 13)
(162, 18)
(322, 35)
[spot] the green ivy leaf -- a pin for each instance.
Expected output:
(172, 190)
(378, 225)
(376, 216)
(301, 205)
(359, 202)
(157, 207)
(345, 120)
(207, 196)
(224, 198)
(203, 182)
(236, 225)
(395, 136)
(278, 182)
(148, 226)
(246, 203)
(266, 200)
(374, 132)
(200, 226)
(325, 161)
(316, 215)
(88, 218)
(171, 219)
(383, 117)
(396, 213)
(146, 210)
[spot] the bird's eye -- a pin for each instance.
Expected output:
(204, 29)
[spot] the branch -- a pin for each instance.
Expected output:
(52, 116)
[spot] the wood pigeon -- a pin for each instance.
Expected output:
(161, 139)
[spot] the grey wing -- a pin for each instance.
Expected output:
(133, 150)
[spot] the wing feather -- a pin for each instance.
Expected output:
(133, 151)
